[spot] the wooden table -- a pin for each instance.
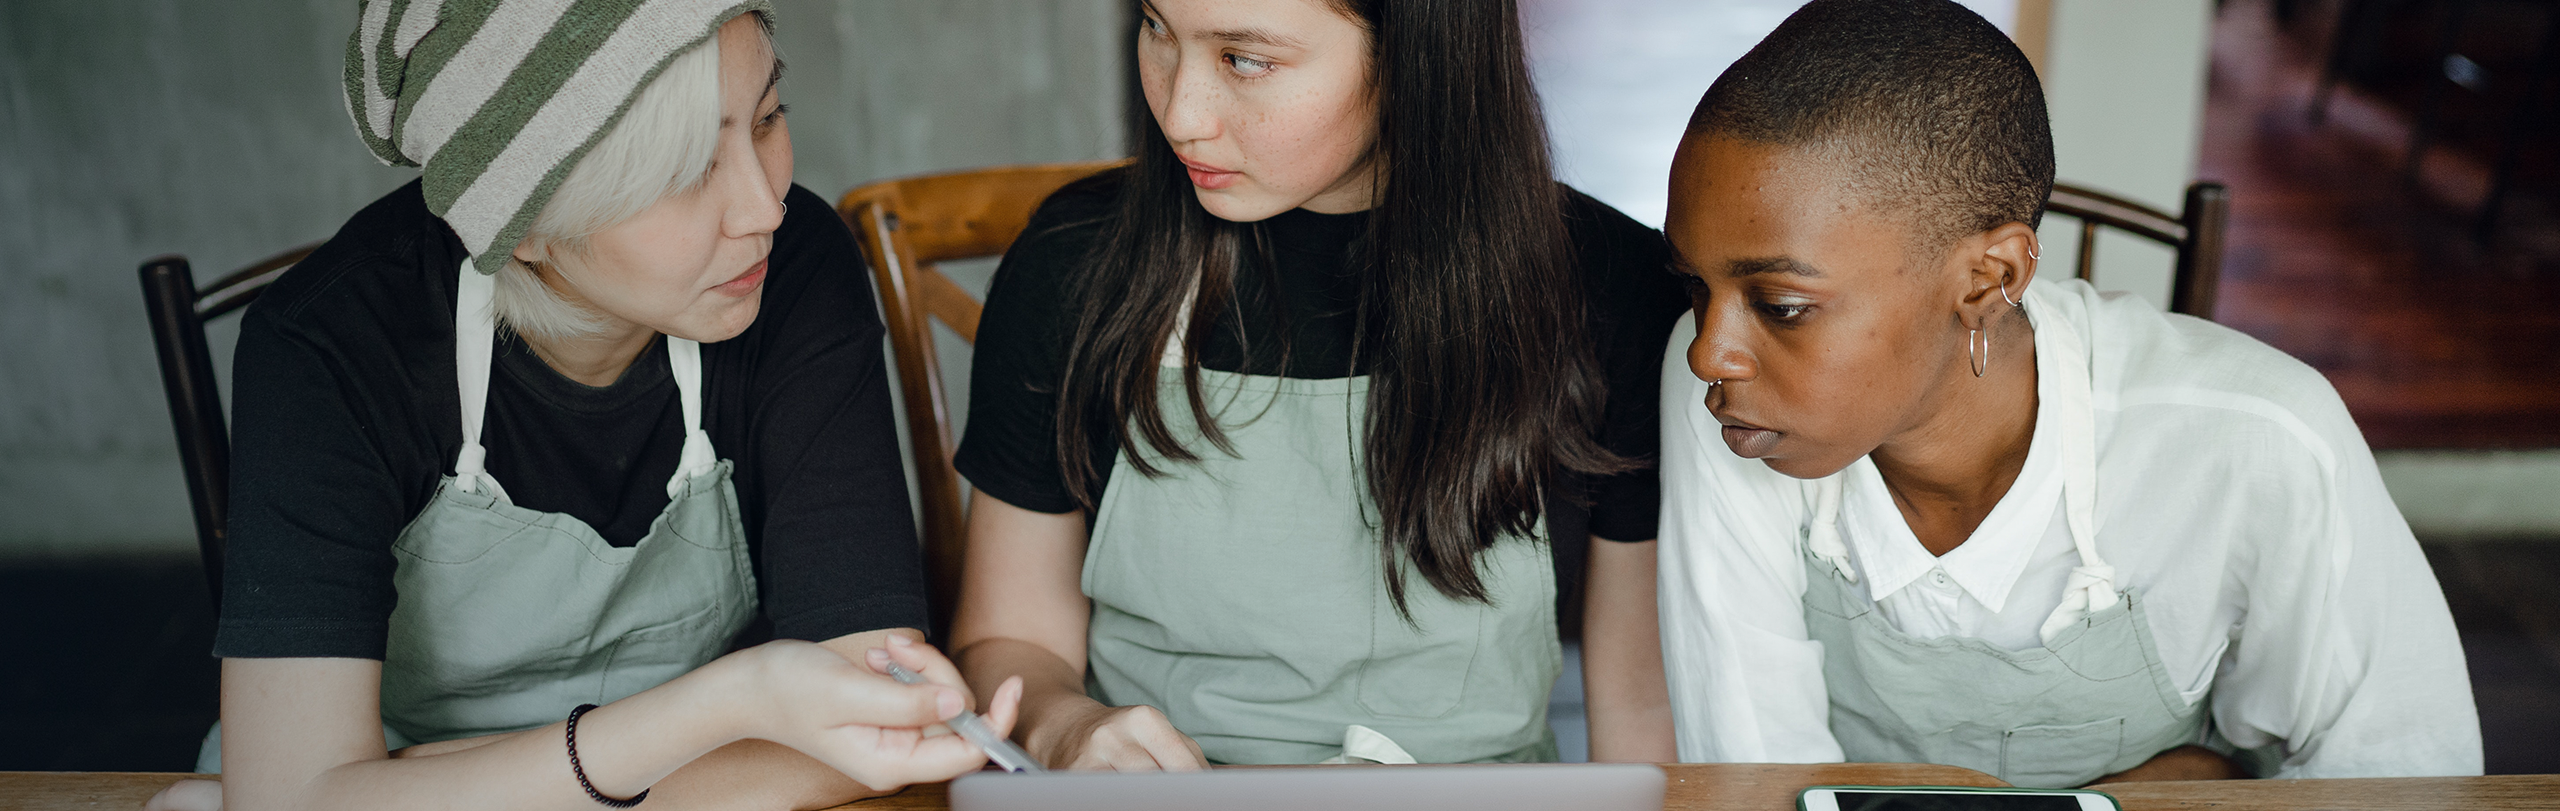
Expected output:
(1705, 787)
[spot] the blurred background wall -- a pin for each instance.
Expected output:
(132, 128)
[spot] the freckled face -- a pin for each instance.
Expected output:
(1827, 341)
(1268, 103)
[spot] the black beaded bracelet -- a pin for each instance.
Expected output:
(581, 771)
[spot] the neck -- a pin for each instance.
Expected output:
(1948, 473)
(594, 360)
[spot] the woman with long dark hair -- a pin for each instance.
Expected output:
(1282, 434)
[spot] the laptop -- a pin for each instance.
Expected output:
(1541, 787)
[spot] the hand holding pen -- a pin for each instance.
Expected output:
(988, 735)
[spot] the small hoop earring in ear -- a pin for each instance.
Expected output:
(2004, 296)
(786, 206)
(1981, 357)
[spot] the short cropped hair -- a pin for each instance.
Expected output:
(661, 147)
(1937, 111)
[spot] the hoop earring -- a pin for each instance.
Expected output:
(1981, 358)
(786, 206)
(2004, 295)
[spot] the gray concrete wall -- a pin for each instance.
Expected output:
(130, 128)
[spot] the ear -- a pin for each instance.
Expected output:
(531, 251)
(2000, 264)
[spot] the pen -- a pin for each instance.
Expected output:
(1007, 756)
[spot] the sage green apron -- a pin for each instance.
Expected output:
(2095, 700)
(1244, 597)
(508, 618)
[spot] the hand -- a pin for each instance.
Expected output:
(2190, 762)
(863, 724)
(187, 795)
(1129, 739)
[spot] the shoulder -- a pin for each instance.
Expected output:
(386, 272)
(1625, 267)
(1624, 262)
(1597, 227)
(1056, 242)
(1069, 221)
(2227, 398)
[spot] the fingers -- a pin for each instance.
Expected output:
(887, 760)
(1140, 738)
(879, 702)
(187, 795)
(1170, 749)
(1005, 707)
(925, 660)
(1174, 751)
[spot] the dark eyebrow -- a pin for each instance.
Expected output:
(1255, 36)
(771, 81)
(1776, 264)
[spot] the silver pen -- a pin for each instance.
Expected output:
(1007, 756)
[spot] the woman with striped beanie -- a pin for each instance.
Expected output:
(533, 442)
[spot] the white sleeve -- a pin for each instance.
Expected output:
(1746, 685)
(2346, 663)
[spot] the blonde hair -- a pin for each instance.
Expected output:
(662, 147)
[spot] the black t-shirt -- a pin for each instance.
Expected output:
(347, 417)
(1009, 451)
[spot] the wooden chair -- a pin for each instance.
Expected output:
(2195, 233)
(178, 311)
(905, 228)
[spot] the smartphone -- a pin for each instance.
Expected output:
(1950, 798)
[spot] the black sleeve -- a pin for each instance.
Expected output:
(324, 469)
(838, 542)
(1010, 449)
(1635, 302)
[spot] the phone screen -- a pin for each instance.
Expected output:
(1964, 801)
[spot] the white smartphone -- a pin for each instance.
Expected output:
(1949, 798)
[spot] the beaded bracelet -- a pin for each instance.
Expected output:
(581, 771)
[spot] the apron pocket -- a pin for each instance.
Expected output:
(2060, 756)
(1419, 669)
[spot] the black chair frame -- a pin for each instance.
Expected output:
(178, 311)
(2196, 233)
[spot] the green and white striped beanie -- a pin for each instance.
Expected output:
(496, 100)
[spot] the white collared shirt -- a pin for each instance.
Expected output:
(2235, 498)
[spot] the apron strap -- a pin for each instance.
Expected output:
(475, 326)
(684, 357)
(1822, 530)
(2066, 380)
(475, 330)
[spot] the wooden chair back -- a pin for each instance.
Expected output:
(2196, 234)
(178, 311)
(906, 228)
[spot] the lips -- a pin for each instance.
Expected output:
(1747, 440)
(1207, 176)
(746, 282)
